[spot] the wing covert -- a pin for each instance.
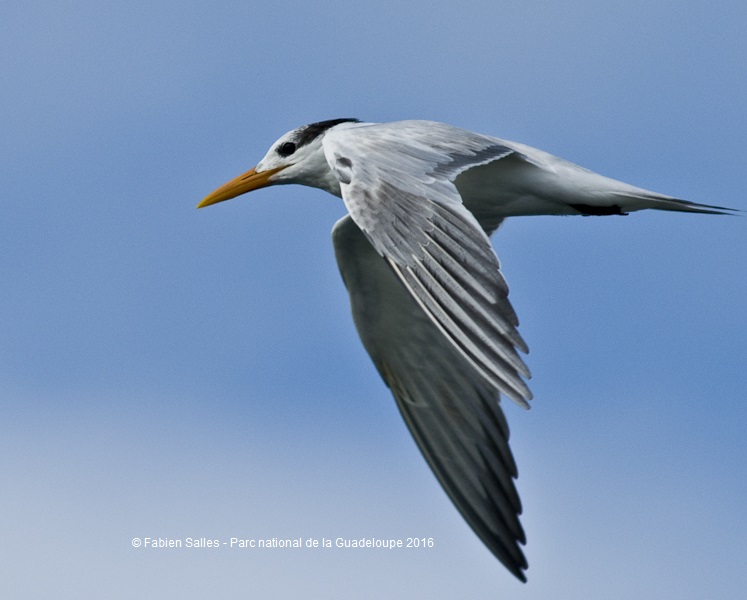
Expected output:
(403, 199)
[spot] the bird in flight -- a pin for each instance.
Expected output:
(426, 291)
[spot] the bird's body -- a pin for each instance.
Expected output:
(426, 292)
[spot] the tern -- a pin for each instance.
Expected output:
(427, 295)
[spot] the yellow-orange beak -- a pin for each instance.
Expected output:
(251, 180)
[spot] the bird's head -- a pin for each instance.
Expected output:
(297, 157)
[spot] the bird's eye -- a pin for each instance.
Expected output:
(286, 149)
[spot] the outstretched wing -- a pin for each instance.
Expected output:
(453, 414)
(403, 199)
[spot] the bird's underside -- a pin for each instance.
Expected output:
(426, 291)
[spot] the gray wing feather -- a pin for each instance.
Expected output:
(403, 199)
(454, 416)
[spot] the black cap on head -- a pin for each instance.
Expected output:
(314, 130)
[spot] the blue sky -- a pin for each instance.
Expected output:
(180, 373)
